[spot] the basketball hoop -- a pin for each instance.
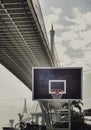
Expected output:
(56, 93)
(57, 88)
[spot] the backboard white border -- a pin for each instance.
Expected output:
(64, 81)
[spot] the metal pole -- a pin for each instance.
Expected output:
(69, 115)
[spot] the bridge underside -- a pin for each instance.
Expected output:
(23, 44)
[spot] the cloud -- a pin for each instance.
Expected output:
(77, 34)
(75, 41)
(80, 21)
(69, 35)
(86, 35)
(78, 44)
(74, 53)
(53, 17)
(62, 56)
(57, 11)
(73, 37)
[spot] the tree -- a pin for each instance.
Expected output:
(20, 117)
(76, 104)
(73, 104)
(76, 117)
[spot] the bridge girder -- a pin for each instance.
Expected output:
(23, 40)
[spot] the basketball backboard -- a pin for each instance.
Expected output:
(48, 81)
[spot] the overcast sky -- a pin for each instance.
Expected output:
(72, 24)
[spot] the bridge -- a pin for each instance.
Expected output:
(23, 41)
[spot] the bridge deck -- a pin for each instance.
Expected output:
(23, 43)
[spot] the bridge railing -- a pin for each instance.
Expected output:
(38, 11)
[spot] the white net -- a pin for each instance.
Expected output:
(57, 94)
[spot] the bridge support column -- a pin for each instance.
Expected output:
(44, 108)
